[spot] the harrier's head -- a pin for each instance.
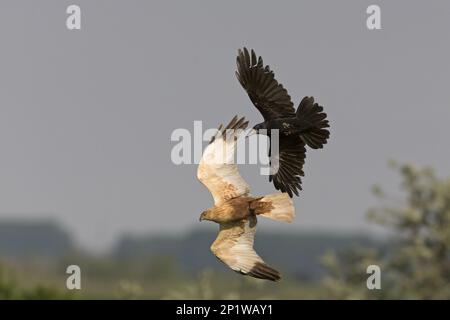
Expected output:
(206, 215)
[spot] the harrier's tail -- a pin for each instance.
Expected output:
(276, 206)
(311, 116)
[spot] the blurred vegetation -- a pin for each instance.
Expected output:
(415, 262)
(11, 290)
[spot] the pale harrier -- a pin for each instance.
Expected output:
(235, 210)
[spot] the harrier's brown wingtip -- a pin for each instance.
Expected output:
(263, 271)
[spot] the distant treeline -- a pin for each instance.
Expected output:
(297, 254)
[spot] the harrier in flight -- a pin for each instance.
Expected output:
(306, 126)
(235, 210)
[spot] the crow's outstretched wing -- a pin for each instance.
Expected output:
(268, 96)
(289, 161)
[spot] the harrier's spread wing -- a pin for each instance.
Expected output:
(291, 158)
(217, 169)
(268, 96)
(234, 247)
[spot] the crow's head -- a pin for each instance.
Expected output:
(260, 126)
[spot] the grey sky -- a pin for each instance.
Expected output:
(86, 116)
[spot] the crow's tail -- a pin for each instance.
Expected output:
(311, 115)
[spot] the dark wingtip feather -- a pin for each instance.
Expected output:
(263, 271)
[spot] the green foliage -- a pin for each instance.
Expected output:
(414, 262)
(11, 290)
(207, 285)
(7, 287)
(417, 262)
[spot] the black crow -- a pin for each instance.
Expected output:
(306, 126)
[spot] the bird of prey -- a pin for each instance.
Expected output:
(235, 210)
(306, 126)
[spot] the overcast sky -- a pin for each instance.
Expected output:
(86, 116)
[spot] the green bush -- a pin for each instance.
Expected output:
(416, 264)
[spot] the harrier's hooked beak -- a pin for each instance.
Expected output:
(202, 216)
